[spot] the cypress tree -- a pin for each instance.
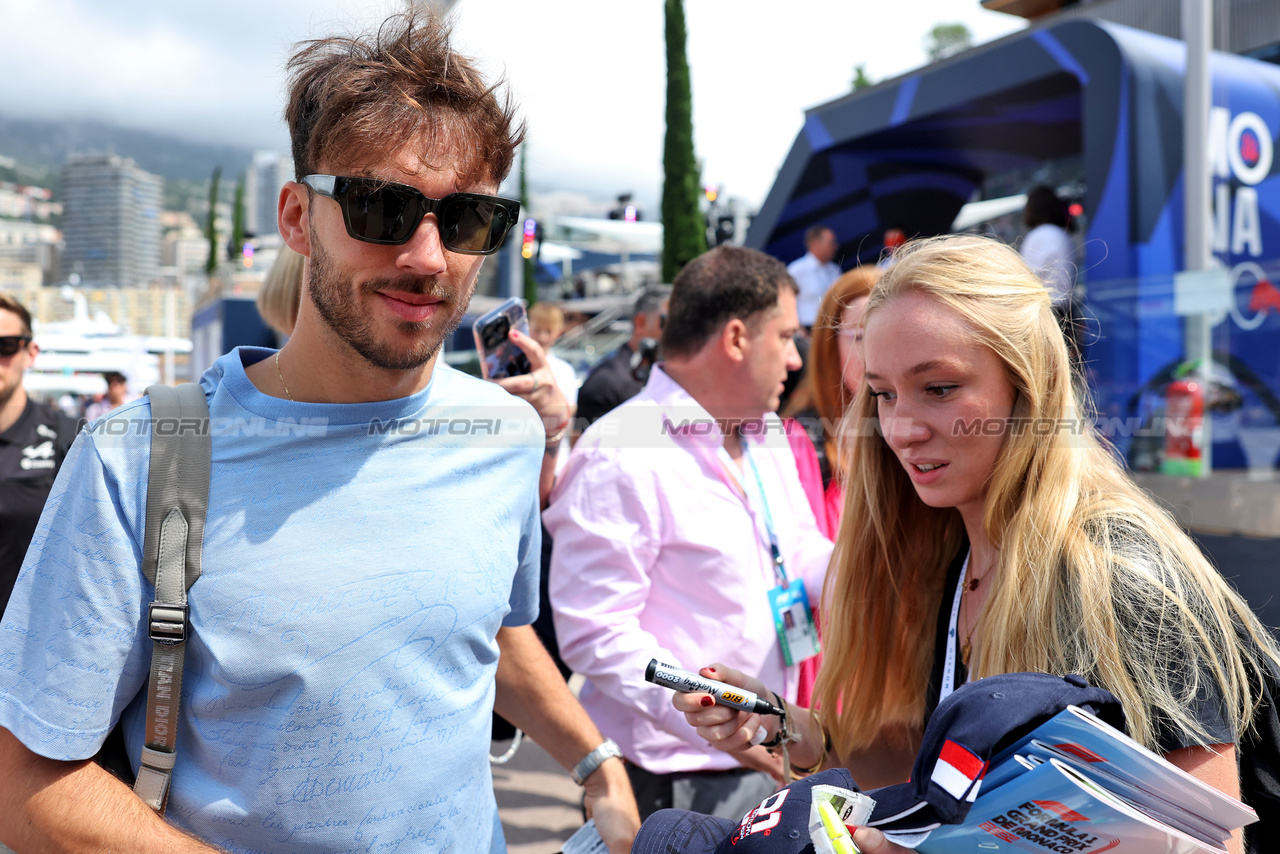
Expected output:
(236, 245)
(211, 226)
(684, 233)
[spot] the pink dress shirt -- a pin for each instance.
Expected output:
(659, 554)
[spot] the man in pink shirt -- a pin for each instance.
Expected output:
(682, 534)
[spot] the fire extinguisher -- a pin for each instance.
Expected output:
(1184, 424)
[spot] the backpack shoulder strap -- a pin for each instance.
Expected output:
(177, 501)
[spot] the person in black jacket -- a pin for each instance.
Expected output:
(613, 381)
(34, 438)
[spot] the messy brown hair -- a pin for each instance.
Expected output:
(353, 99)
(8, 303)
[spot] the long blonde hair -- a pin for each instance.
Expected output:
(1093, 577)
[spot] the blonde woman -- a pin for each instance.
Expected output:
(281, 293)
(996, 534)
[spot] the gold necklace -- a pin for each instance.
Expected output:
(281, 376)
(966, 647)
(970, 585)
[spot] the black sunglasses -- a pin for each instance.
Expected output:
(382, 212)
(10, 344)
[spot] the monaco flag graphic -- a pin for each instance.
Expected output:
(957, 769)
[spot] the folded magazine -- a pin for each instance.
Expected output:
(1076, 784)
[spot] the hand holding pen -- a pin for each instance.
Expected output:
(721, 724)
(724, 694)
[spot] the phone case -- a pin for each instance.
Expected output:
(499, 358)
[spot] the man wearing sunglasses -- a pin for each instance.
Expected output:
(372, 537)
(34, 438)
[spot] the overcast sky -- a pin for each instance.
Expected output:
(588, 74)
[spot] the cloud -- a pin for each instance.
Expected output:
(590, 75)
(124, 64)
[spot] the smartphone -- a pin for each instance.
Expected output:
(499, 358)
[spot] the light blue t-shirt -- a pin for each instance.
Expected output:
(358, 562)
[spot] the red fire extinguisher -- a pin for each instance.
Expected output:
(1184, 425)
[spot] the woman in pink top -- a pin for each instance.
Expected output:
(831, 380)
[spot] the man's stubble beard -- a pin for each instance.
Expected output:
(7, 393)
(333, 295)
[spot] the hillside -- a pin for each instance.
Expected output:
(40, 147)
(45, 145)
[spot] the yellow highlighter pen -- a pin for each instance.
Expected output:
(841, 839)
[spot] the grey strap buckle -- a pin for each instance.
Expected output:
(167, 623)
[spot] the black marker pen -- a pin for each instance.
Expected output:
(726, 695)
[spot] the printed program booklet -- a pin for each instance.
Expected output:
(1076, 785)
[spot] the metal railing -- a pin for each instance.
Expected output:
(588, 343)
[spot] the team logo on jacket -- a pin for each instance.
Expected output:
(38, 457)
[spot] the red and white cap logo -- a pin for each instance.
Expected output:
(957, 769)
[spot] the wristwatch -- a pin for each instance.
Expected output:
(584, 769)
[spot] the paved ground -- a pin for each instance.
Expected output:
(539, 805)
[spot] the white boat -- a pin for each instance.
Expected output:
(75, 353)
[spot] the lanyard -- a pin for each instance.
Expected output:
(779, 564)
(792, 616)
(953, 638)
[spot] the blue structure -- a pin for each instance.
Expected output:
(224, 324)
(912, 151)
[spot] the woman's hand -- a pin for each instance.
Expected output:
(724, 728)
(759, 759)
(540, 389)
(538, 386)
(871, 841)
